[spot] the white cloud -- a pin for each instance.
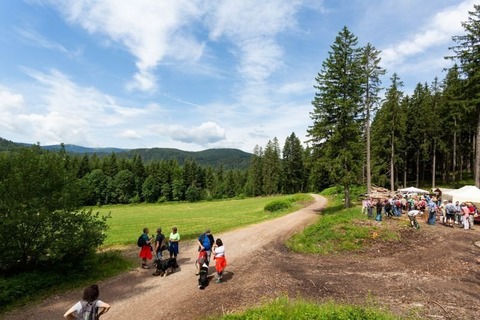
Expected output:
(438, 32)
(130, 134)
(10, 104)
(67, 112)
(206, 134)
(151, 30)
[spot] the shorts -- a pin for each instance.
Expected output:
(451, 216)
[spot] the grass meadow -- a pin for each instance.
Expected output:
(126, 222)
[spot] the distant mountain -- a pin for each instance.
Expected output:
(78, 149)
(229, 158)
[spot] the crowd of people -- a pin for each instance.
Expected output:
(154, 247)
(446, 212)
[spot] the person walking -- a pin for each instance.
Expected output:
(220, 260)
(89, 304)
(173, 241)
(160, 244)
(432, 212)
(379, 207)
(146, 248)
(205, 242)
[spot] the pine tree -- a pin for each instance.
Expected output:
(337, 128)
(467, 53)
(371, 73)
(292, 164)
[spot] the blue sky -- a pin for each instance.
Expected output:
(196, 74)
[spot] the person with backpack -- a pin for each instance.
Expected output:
(205, 242)
(90, 307)
(144, 242)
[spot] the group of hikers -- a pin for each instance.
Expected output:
(446, 212)
(90, 307)
(153, 247)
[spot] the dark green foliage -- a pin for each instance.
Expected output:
(336, 132)
(277, 205)
(39, 221)
(293, 175)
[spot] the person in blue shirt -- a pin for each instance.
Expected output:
(432, 212)
(205, 242)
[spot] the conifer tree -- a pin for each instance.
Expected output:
(337, 127)
(467, 53)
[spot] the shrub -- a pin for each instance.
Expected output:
(277, 205)
(40, 224)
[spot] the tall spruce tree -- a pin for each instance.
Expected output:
(372, 87)
(292, 164)
(467, 53)
(337, 127)
(389, 130)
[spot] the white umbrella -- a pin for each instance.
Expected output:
(413, 190)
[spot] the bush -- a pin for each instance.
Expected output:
(40, 224)
(277, 205)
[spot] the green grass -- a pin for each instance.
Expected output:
(340, 229)
(283, 308)
(191, 219)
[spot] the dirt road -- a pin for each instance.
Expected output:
(139, 295)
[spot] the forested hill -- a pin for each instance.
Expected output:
(229, 158)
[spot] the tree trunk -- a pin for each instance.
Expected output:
(434, 162)
(369, 173)
(347, 196)
(461, 167)
(392, 166)
(405, 170)
(454, 164)
(418, 168)
(477, 154)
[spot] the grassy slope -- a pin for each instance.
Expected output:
(191, 219)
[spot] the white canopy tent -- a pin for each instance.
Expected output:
(413, 190)
(464, 194)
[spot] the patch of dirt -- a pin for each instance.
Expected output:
(433, 272)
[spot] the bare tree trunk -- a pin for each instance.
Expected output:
(405, 170)
(347, 196)
(392, 167)
(418, 168)
(461, 167)
(477, 154)
(369, 173)
(454, 165)
(434, 162)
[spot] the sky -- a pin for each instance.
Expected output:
(196, 74)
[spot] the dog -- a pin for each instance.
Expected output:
(165, 267)
(203, 277)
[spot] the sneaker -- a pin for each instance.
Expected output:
(144, 266)
(218, 281)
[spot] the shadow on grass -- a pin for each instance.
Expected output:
(332, 209)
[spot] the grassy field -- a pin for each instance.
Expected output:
(191, 219)
(340, 229)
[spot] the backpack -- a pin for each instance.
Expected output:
(140, 241)
(89, 311)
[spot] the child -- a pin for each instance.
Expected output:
(220, 261)
(89, 303)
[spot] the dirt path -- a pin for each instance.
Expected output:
(139, 295)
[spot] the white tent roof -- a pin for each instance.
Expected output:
(413, 190)
(464, 194)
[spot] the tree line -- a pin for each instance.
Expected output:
(434, 133)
